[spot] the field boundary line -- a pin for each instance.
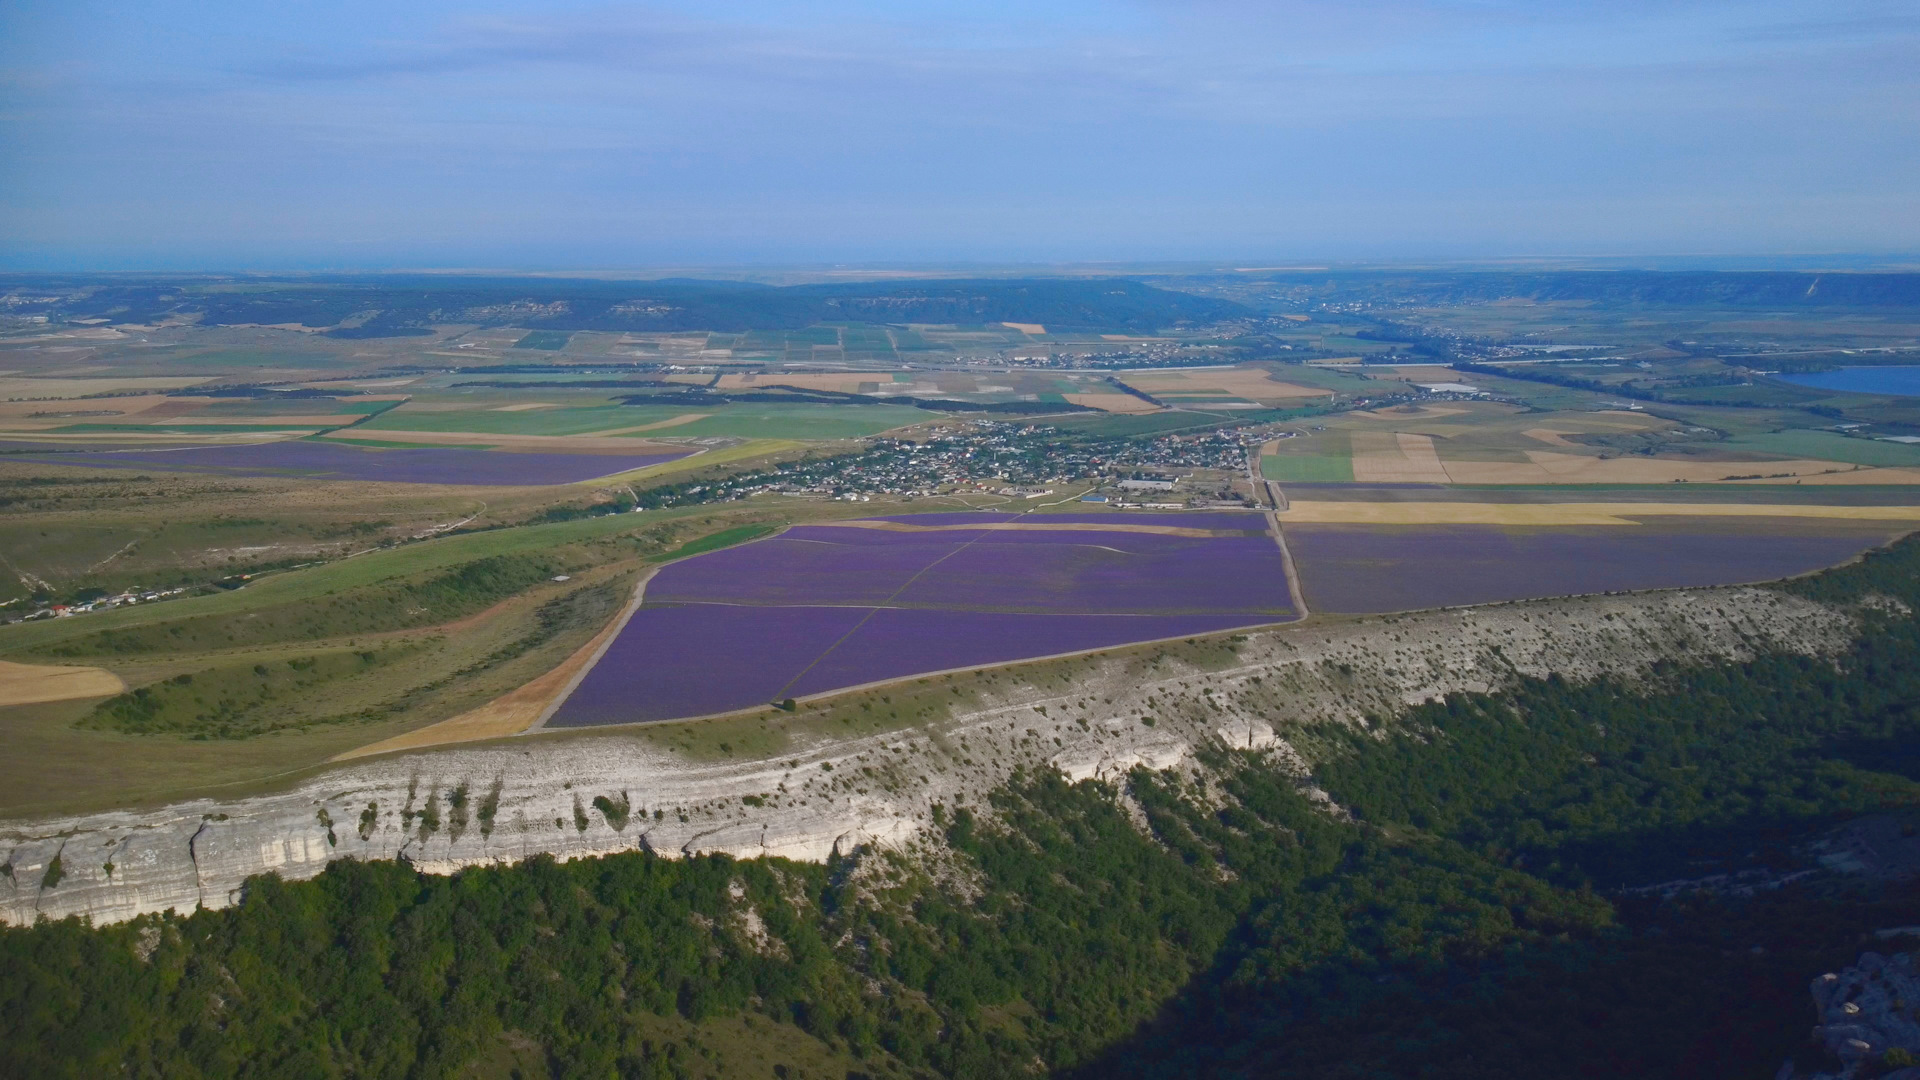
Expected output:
(604, 641)
(1294, 591)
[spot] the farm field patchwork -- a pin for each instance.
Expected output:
(1369, 568)
(342, 461)
(1214, 385)
(826, 607)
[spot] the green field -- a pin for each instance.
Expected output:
(549, 340)
(1307, 469)
(1827, 446)
(755, 420)
(746, 420)
(389, 444)
(319, 582)
(739, 534)
(487, 421)
(262, 358)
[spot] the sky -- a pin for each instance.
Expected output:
(348, 134)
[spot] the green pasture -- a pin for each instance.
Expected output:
(389, 444)
(549, 340)
(771, 420)
(238, 721)
(757, 420)
(1339, 380)
(1307, 468)
(1321, 458)
(1759, 394)
(485, 420)
(260, 358)
(911, 341)
(196, 429)
(725, 538)
(1343, 343)
(318, 582)
(1826, 446)
(271, 407)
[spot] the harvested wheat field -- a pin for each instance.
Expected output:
(1552, 437)
(1396, 457)
(29, 684)
(1572, 513)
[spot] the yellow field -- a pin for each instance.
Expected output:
(1025, 327)
(28, 684)
(525, 406)
(1564, 514)
(1551, 437)
(1396, 457)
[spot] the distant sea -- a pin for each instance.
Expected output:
(1904, 381)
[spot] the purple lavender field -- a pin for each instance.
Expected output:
(822, 608)
(344, 461)
(1366, 569)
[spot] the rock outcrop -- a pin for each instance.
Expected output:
(573, 795)
(1869, 1019)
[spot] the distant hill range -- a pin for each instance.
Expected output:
(392, 306)
(1693, 288)
(370, 306)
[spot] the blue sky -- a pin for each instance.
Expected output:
(297, 134)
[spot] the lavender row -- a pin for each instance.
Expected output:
(676, 661)
(1360, 569)
(1076, 572)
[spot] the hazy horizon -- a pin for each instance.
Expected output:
(539, 136)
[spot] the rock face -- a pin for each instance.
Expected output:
(1866, 1011)
(576, 795)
